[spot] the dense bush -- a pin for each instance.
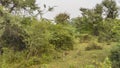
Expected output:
(38, 40)
(109, 32)
(13, 37)
(62, 37)
(115, 56)
(11, 33)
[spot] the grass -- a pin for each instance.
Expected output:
(79, 58)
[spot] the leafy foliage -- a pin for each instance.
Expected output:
(38, 40)
(110, 8)
(13, 36)
(115, 57)
(26, 41)
(15, 5)
(62, 18)
(62, 36)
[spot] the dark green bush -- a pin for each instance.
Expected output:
(13, 37)
(115, 56)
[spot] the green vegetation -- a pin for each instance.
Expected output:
(115, 56)
(93, 46)
(81, 42)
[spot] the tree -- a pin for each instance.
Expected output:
(17, 5)
(92, 18)
(13, 34)
(98, 9)
(62, 18)
(106, 30)
(110, 9)
(13, 26)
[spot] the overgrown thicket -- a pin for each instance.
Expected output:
(27, 41)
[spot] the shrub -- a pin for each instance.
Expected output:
(13, 37)
(115, 57)
(62, 37)
(38, 40)
(93, 46)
